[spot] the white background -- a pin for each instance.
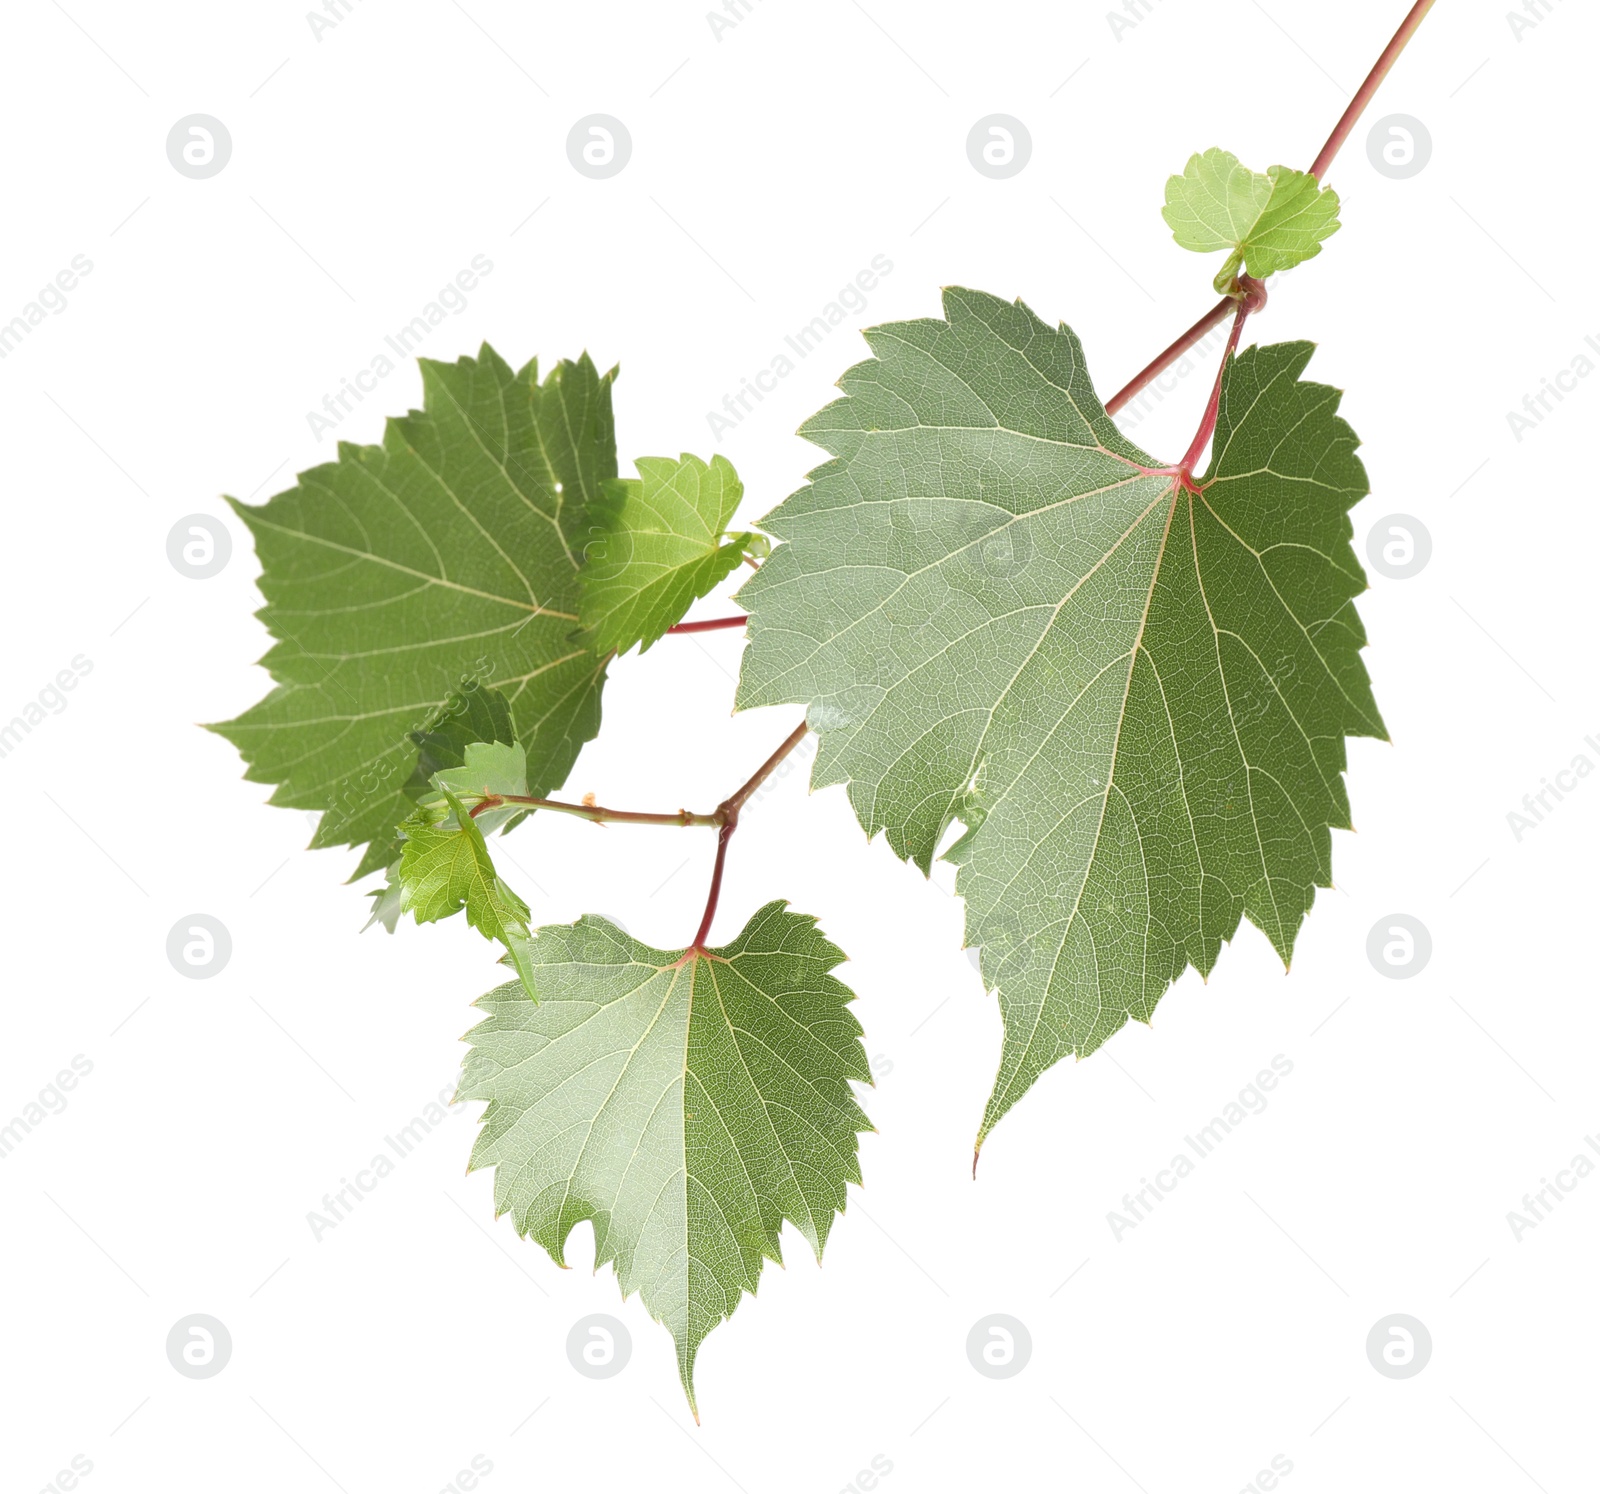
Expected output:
(769, 167)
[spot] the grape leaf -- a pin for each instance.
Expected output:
(472, 714)
(1216, 202)
(1298, 217)
(387, 900)
(445, 867)
(688, 1106)
(1135, 696)
(467, 748)
(393, 575)
(487, 768)
(660, 545)
(476, 770)
(1270, 222)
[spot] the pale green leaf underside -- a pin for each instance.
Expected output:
(687, 1109)
(394, 574)
(1134, 698)
(660, 546)
(487, 768)
(1271, 221)
(1215, 202)
(445, 868)
(386, 898)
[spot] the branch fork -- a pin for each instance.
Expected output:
(725, 817)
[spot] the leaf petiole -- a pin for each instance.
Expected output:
(597, 813)
(1254, 297)
(710, 625)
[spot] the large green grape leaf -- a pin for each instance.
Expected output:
(394, 575)
(687, 1105)
(660, 544)
(1271, 221)
(1135, 695)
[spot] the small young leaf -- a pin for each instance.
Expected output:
(1216, 202)
(1269, 222)
(660, 545)
(445, 867)
(688, 1106)
(487, 768)
(471, 718)
(1298, 217)
(474, 713)
(395, 573)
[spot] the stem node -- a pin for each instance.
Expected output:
(1319, 167)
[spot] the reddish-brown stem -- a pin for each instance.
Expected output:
(709, 625)
(1380, 70)
(724, 835)
(1208, 422)
(729, 812)
(1341, 132)
(596, 812)
(725, 817)
(737, 801)
(1171, 354)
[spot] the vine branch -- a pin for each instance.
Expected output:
(709, 625)
(597, 813)
(1380, 71)
(1171, 353)
(1247, 296)
(1341, 132)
